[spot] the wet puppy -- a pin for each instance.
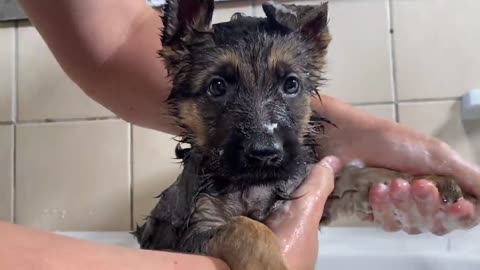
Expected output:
(241, 92)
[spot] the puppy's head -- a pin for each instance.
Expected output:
(242, 89)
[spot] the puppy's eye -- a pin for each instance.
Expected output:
(217, 88)
(291, 86)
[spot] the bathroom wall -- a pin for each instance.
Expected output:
(67, 163)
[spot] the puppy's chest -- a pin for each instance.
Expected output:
(258, 202)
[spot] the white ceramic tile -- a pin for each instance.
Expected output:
(44, 90)
(7, 67)
(73, 176)
(359, 67)
(385, 111)
(154, 169)
(436, 47)
(224, 10)
(6, 172)
(443, 120)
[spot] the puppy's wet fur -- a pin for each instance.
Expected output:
(241, 92)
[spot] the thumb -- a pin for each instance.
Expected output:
(296, 224)
(310, 196)
(321, 178)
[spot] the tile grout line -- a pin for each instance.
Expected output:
(130, 141)
(14, 104)
(15, 118)
(404, 101)
(14, 173)
(65, 120)
(420, 100)
(393, 60)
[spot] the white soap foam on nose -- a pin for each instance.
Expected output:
(271, 127)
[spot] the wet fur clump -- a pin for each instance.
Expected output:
(241, 92)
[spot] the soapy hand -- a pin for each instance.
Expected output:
(417, 207)
(420, 207)
(419, 202)
(296, 224)
(386, 144)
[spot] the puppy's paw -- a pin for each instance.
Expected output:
(352, 193)
(245, 244)
(449, 190)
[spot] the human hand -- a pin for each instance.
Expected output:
(358, 135)
(416, 208)
(296, 224)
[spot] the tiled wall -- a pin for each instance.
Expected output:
(67, 163)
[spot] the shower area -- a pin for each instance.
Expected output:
(70, 166)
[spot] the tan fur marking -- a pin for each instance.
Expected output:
(189, 115)
(231, 58)
(245, 244)
(306, 119)
(228, 57)
(278, 55)
(323, 40)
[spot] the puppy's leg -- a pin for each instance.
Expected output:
(216, 230)
(351, 194)
(245, 244)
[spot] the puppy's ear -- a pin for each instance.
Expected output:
(310, 20)
(184, 16)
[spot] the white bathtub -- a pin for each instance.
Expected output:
(367, 249)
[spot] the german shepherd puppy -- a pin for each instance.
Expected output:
(241, 92)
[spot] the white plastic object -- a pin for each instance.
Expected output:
(471, 105)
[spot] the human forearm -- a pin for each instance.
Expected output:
(109, 48)
(362, 136)
(23, 248)
(359, 135)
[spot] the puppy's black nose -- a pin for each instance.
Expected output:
(265, 153)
